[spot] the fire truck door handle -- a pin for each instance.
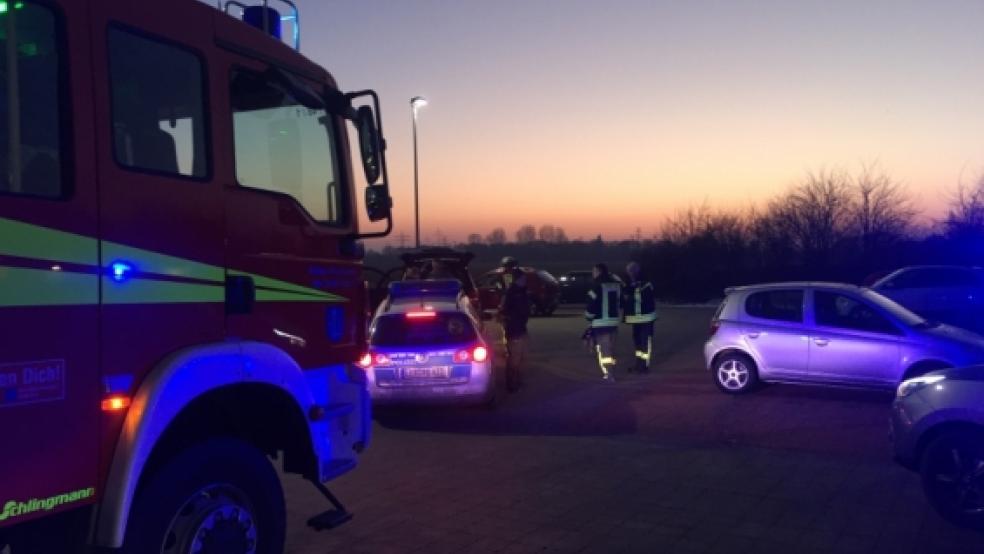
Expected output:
(240, 294)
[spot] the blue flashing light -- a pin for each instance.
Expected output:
(257, 16)
(335, 323)
(410, 289)
(120, 271)
(118, 384)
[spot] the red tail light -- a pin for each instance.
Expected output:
(365, 361)
(480, 354)
(421, 315)
(715, 325)
(381, 359)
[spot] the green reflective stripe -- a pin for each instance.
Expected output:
(45, 287)
(285, 286)
(147, 261)
(283, 296)
(147, 291)
(33, 241)
(43, 243)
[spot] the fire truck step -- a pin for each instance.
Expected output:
(329, 519)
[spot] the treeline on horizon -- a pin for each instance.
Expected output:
(831, 225)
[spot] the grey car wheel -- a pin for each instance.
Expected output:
(735, 373)
(952, 472)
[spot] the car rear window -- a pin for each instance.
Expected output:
(780, 305)
(443, 328)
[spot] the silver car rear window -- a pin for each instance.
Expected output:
(442, 329)
(778, 305)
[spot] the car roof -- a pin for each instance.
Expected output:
(937, 266)
(794, 284)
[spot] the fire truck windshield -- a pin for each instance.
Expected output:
(285, 146)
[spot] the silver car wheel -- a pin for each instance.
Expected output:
(733, 374)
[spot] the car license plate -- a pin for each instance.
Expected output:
(437, 372)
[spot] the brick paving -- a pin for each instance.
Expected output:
(662, 463)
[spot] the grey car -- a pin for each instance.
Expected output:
(952, 294)
(827, 333)
(938, 430)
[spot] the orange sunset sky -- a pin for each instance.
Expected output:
(602, 117)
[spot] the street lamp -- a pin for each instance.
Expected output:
(416, 103)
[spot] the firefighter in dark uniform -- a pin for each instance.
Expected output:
(514, 312)
(509, 266)
(507, 270)
(639, 311)
(602, 313)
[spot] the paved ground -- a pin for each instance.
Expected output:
(661, 463)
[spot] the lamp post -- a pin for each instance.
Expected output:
(416, 103)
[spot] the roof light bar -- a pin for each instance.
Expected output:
(413, 289)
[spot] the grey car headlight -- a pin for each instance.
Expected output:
(910, 386)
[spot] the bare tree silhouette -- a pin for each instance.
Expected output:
(497, 236)
(560, 237)
(965, 216)
(883, 212)
(526, 234)
(814, 216)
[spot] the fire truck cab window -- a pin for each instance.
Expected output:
(30, 111)
(158, 107)
(285, 146)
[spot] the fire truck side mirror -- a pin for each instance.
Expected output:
(378, 202)
(369, 144)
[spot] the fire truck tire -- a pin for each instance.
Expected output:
(221, 496)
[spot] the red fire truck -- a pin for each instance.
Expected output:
(181, 297)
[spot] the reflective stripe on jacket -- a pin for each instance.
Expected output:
(639, 302)
(603, 303)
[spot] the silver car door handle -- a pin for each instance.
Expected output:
(821, 342)
(754, 335)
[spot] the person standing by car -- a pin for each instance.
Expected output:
(514, 312)
(509, 266)
(602, 312)
(639, 311)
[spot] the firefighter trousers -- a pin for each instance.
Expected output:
(516, 348)
(642, 337)
(604, 339)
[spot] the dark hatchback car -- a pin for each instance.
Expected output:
(574, 286)
(543, 288)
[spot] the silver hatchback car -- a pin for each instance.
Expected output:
(827, 333)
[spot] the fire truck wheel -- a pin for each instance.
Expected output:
(219, 497)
